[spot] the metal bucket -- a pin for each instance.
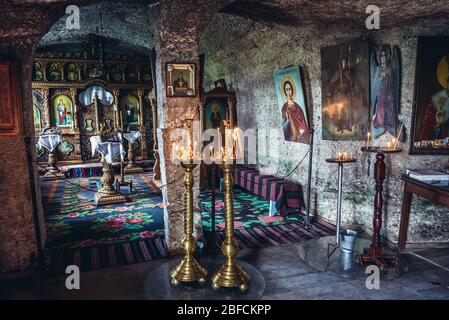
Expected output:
(347, 240)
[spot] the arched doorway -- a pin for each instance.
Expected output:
(96, 82)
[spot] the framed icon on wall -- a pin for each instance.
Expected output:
(181, 80)
(430, 126)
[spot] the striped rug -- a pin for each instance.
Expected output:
(92, 258)
(274, 235)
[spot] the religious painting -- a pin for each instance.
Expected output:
(385, 78)
(37, 119)
(54, 72)
(115, 73)
(146, 74)
(218, 105)
(88, 125)
(215, 113)
(37, 72)
(72, 72)
(430, 131)
(292, 104)
(131, 73)
(65, 147)
(129, 106)
(345, 91)
(38, 99)
(181, 80)
(10, 114)
(62, 111)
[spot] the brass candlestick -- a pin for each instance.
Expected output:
(230, 273)
(188, 270)
(132, 167)
(52, 170)
(107, 194)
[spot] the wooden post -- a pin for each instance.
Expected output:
(379, 176)
(374, 254)
(118, 120)
(143, 139)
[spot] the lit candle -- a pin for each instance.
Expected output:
(220, 145)
(368, 136)
(339, 155)
(388, 145)
(195, 146)
(398, 136)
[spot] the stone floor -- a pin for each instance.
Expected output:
(287, 277)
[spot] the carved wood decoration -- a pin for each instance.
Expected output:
(59, 78)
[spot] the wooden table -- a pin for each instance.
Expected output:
(437, 195)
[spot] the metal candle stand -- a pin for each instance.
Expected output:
(189, 269)
(230, 274)
(119, 182)
(336, 246)
(309, 182)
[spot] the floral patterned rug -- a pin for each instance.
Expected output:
(249, 211)
(93, 237)
(254, 228)
(73, 220)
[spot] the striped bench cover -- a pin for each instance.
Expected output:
(285, 194)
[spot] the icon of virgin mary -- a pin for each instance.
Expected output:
(294, 122)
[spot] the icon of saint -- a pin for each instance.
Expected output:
(180, 84)
(62, 113)
(215, 116)
(340, 95)
(434, 123)
(385, 92)
(294, 123)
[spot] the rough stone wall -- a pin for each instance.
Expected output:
(246, 53)
(19, 181)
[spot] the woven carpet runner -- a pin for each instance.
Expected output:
(267, 236)
(130, 233)
(92, 258)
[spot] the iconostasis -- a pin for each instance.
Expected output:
(84, 96)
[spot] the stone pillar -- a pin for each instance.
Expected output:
(156, 167)
(177, 41)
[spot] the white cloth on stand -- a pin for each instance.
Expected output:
(132, 136)
(49, 141)
(94, 141)
(110, 149)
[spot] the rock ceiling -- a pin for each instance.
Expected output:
(343, 13)
(125, 27)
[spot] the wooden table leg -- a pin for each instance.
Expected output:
(405, 214)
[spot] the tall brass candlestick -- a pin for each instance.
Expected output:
(188, 270)
(230, 273)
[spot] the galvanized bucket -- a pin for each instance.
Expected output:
(347, 240)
